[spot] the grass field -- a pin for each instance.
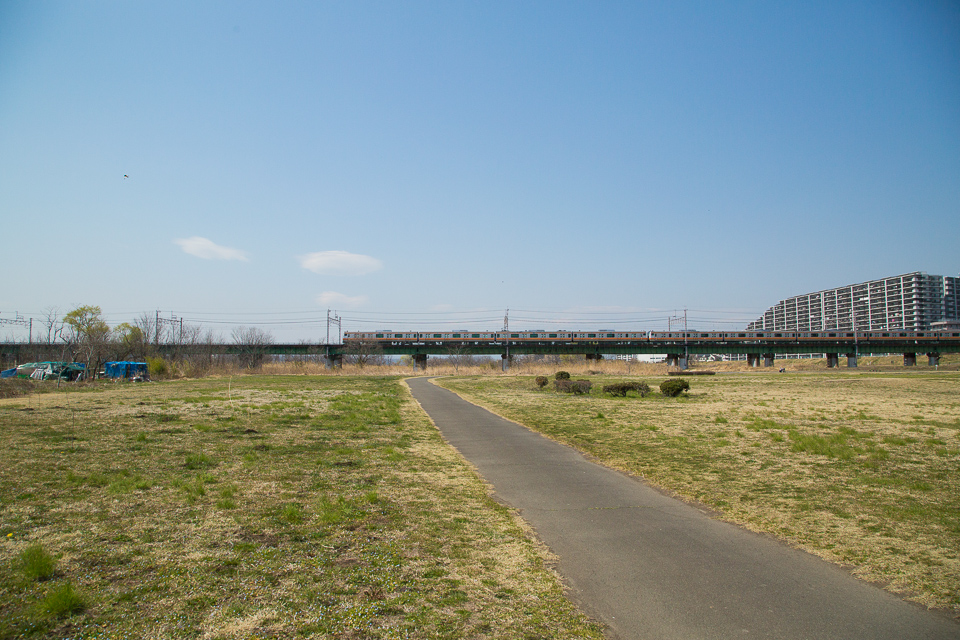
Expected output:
(256, 507)
(860, 468)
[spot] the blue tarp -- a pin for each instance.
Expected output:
(9, 373)
(125, 369)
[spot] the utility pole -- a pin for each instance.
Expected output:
(506, 340)
(334, 319)
(676, 319)
(174, 322)
(23, 322)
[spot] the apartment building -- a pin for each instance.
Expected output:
(911, 302)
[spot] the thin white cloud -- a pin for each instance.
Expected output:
(339, 263)
(209, 250)
(341, 301)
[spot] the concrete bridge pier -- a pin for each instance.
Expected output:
(673, 360)
(594, 356)
(753, 359)
(420, 361)
(851, 360)
(505, 361)
(933, 359)
(909, 359)
(334, 361)
(768, 359)
(833, 360)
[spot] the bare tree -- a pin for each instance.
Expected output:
(251, 343)
(53, 324)
(196, 349)
(459, 356)
(362, 353)
(149, 327)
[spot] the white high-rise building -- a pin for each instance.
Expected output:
(910, 302)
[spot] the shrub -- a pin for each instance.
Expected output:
(157, 367)
(674, 387)
(561, 375)
(620, 389)
(541, 381)
(581, 387)
(578, 387)
(36, 563)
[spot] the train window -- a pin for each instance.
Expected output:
(456, 335)
(533, 335)
(552, 335)
(514, 335)
(379, 335)
(436, 335)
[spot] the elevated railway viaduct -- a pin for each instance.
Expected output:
(677, 350)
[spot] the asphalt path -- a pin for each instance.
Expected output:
(652, 567)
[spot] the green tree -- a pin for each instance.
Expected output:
(89, 335)
(131, 341)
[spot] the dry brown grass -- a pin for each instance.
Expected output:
(860, 468)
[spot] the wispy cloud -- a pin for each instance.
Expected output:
(209, 250)
(339, 263)
(341, 301)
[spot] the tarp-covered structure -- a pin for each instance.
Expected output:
(51, 370)
(125, 369)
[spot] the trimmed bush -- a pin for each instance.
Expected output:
(561, 375)
(577, 387)
(581, 387)
(620, 389)
(541, 381)
(673, 388)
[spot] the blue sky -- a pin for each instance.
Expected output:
(438, 163)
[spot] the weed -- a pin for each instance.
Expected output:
(291, 513)
(62, 601)
(199, 461)
(36, 563)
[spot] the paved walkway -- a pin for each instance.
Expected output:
(652, 567)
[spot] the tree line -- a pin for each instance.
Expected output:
(84, 336)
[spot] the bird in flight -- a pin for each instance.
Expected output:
(125, 176)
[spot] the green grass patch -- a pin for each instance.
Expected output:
(36, 563)
(258, 507)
